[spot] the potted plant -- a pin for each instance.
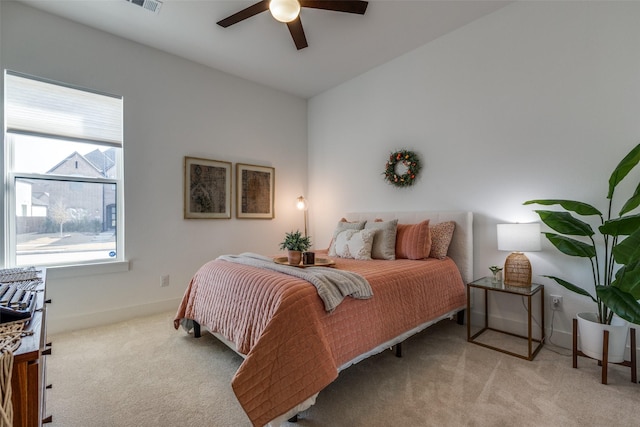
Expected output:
(614, 256)
(295, 243)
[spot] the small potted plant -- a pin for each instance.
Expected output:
(295, 243)
(496, 272)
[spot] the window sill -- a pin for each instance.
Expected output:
(79, 270)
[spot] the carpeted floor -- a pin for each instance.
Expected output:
(143, 373)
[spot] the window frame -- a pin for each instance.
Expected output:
(9, 249)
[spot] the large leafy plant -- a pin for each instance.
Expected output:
(616, 273)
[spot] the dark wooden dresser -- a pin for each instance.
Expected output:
(28, 381)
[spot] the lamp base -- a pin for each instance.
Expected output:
(517, 270)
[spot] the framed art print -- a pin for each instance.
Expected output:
(254, 191)
(207, 189)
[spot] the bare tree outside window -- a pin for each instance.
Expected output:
(60, 215)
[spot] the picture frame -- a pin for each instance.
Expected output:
(255, 187)
(207, 188)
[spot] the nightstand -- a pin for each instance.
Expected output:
(487, 284)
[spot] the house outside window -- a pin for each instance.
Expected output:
(63, 174)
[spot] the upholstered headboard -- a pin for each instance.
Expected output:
(461, 247)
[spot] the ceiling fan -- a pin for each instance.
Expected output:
(288, 11)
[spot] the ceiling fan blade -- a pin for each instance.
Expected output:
(349, 6)
(297, 32)
(245, 13)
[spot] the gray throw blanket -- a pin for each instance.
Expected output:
(332, 284)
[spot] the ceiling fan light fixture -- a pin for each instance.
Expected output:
(284, 10)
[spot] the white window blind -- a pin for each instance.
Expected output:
(63, 174)
(46, 108)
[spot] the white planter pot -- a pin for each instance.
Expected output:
(590, 334)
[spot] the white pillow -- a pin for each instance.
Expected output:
(354, 244)
(343, 225)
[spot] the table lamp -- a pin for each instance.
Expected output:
(518, 238)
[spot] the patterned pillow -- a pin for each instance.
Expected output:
(354, 244)
(343, 224)
(441, 235)
(413, 241)
(384, 242)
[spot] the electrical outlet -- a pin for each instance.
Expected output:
(556, 302)
(164, 281)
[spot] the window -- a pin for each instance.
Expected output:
(63, 174)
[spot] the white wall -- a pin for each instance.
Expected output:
(173, 108)
(537, 100)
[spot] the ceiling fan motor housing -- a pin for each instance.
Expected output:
(284, 10)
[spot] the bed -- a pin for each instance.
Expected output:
(293, 343)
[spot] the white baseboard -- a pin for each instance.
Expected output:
(559, 338)
(56, 324)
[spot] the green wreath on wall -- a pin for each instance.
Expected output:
(402, 168)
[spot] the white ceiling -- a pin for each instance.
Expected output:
(260, 49)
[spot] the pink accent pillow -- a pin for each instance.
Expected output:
(413, 241)
(441, 235)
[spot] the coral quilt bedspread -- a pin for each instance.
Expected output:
(293, 346)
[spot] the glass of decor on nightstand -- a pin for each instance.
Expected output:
(496, 271)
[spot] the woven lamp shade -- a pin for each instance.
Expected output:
(517, 270)
(518, 238)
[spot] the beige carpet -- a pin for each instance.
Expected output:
(143, 373)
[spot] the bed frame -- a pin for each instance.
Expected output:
(460, 250)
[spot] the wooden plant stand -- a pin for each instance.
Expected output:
(605, 353)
